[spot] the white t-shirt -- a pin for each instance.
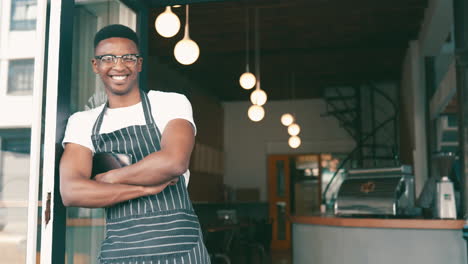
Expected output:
(164, 107)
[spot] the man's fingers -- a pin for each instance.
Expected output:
(174, 181)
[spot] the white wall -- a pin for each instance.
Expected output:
(247, 144)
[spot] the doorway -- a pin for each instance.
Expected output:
(293, 188)
(296, 183)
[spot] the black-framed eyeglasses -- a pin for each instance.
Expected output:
(110, 60)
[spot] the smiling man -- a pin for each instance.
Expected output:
(149, 215)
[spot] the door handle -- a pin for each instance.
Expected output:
(47, 209)
(282, 204)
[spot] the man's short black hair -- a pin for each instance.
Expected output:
(115, 31)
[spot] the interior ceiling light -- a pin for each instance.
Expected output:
(287, 119)
(256, 113)
(167, 24)
(294, 129)
(186, 51)
(294, 142)
(258, 97)
(247, 80)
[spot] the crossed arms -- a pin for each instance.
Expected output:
(148, 176)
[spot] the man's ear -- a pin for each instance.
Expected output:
(140, 64)
(95, 67)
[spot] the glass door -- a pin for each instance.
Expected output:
(279, 199)
(73, 235)
(22, 49)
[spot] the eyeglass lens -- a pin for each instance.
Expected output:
(129, 59)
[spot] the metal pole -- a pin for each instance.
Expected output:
(460, 14)
(460, 21)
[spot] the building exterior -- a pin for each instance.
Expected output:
(17, 37)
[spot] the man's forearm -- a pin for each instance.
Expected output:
(157, 168)
(162, 166)
(88, 193)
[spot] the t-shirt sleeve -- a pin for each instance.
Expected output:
(78, 131)
(170, 106)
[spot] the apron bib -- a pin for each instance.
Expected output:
(161, 228)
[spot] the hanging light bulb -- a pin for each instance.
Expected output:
(294, 129)
(186, 51)
(256, 113)
(294, 141)
(167, 24)
(287, 119)
(258, 97)
(247, 80)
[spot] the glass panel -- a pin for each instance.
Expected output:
(14, 178)
(23, 14)
(281, 218)
(86, 227)
(280, 188)
(306, 192)
(20, 76)
(17, 56)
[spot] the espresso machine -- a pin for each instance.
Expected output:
(377, 192)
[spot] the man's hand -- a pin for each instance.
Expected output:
(105, 177)
(174, 181)
(150, 190)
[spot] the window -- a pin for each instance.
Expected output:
(20, 76)
(23, 15)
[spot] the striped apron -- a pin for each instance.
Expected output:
(155, 229)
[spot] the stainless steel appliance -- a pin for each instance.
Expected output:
(445, 207)
(377, 191)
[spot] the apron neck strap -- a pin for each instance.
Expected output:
(146, 111)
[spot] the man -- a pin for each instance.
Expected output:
(149, 215)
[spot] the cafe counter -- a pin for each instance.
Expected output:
(323, 239)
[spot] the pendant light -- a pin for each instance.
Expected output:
(294, 142)
(167, 24)
(258, 97)
(294, 129)
(247, 80)
(287, 119)
(186, 51)
(256, 113)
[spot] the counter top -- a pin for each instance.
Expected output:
(378, 222)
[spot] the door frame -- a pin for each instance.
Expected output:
(272, 200)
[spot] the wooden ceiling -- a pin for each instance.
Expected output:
(323, 42)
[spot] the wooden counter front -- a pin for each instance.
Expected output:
(378, 222)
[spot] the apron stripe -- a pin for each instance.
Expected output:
(124, 141)
(131, 145)
(139, 145)
(143, 135)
